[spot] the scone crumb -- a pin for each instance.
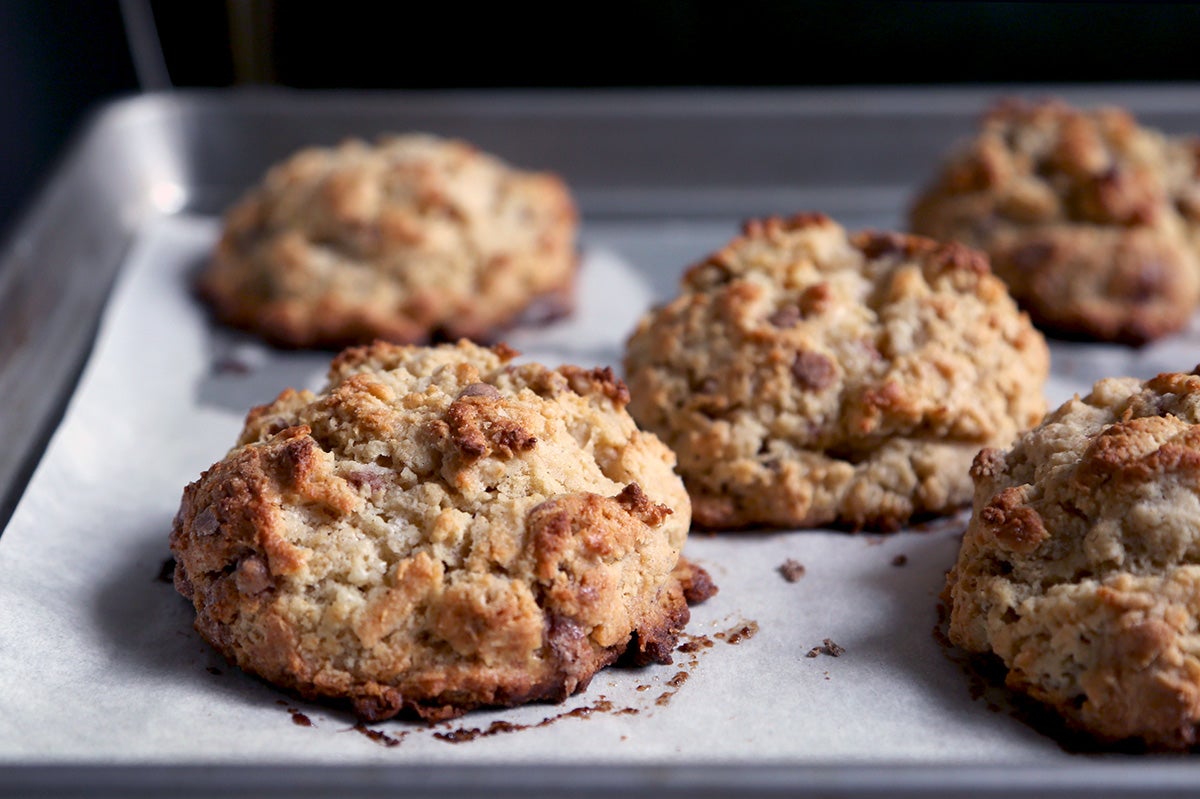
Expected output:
(827, 647)
(792, 570)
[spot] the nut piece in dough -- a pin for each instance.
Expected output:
(1081, 565)
(1092, 220)
(412, 239)
(439, 529)
(806, 377)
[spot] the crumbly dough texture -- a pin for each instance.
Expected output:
(1080, 568)
(1092, 220)
(439, 529)
(807, 377)
(412, 239)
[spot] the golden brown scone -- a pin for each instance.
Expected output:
(438, 530)
(411, 239)
(1081, 566)
(1091, 220)
(805, 377)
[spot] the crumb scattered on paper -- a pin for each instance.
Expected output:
(743, 631)
(827, 647)
(792, 570)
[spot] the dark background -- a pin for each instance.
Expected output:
(59, 59)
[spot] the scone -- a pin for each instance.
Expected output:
(438, 530)
(1081, 566)
(807, 377)
(412, 239)
(1091, 220)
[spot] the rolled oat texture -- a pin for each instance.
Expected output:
(410, 239)
(1091, 219)
(1080, 568)
(808, 377)
(439, 529)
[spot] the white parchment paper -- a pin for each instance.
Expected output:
(99, 663)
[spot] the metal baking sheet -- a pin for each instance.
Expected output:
(118, 391)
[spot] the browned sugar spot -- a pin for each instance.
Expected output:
(633, 499)
(988, 463)
(505, 352)
(815, 299)
(476, 430)
(600, 380)
(900, 560)
(1015, 526)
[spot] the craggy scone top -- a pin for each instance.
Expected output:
(807, 377)
(410, 239)
(1081, 566)
(1092, 220)
(436, 530)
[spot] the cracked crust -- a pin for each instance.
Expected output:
(1091, 220)
(806, 377)
(438, 530)
(412, 239)
(1080, 568)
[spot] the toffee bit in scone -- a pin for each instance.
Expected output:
(439, 529)
(1078, 570)
(1090, 219)
(900, 560)
(792, 570)
(827, 647)
(408, 239)
(808, 377)
(813, 371)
